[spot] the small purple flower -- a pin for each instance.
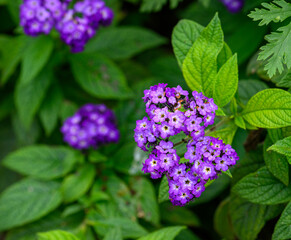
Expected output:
(83, 130)
(170, 112)
(76, 26)
(178, 171)
(233, 6)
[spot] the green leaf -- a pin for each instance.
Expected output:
(223, 56)
(263, 188)
(99, 76)
(56, 235)
(226, 134)
(222, 222)
(176, 215)
(11, 53)
(129, 229)
(247, 218)
(277, 11)
(114, 234)
(239, 121)
(270, 108)
(123, 158)
(248, 88)
(50, 222)
(282, 228)
(184, 35)
(50, 108)
(41, 162)
(27, 201)
(174, 3)
(35, 57)
(124, 42)
(152, 5)
(227, 173)
(29, 96)
(279, 133)
(168, 233)
(283, 146)
(146, 199)
(277, 164)
(277, 51)
(76, 185)
(164, 190)
(116, 187)
(200, 65)
(226, 82)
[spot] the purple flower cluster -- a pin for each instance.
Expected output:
(81, 23)
(76, 25)
(233, 6)
(91, 126)
(172, 111)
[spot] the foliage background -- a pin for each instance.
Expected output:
(103, 194)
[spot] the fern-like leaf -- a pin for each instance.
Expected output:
(277, 51)
(277, 11)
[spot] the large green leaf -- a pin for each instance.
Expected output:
(76, 185)
(226, 82)
(200, 64)
(124, 42)
(222, 221)
(146, 197)
(35, 56)
(276, 163)
(29, 96)
(263, 188)
(176, 215)
(52, 221)
(27, 201)
(282, 229)
(99, 76)
(11, 51)
(127, 204)
(164, 190)
(168, 233)
(270, 108)
(114, 234)
(184, 35)
(41, 162)
(50, 108)
(129, 228)
(247, 218)
(282, 146)
(56, 235)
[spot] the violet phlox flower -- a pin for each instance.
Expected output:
(172, 111)
(233, 6)
(76, 25)
(91, 126)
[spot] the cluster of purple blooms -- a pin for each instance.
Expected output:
(233, 6)
(172, 111)
(91, 126)
(76, 25)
